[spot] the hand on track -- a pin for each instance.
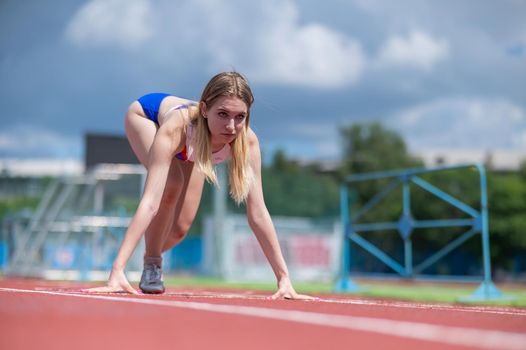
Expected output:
(286, 291)
(116, 283)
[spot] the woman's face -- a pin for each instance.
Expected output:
(226, 118)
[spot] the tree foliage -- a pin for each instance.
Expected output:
(372, 147)
(293, 190)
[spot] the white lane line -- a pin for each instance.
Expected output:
(384, 303)
(462, 336)
(497, 310)
(409, 305)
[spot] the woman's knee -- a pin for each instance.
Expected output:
(175, 237)
(172, 241)
(180, 230)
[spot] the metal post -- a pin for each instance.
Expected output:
(345, 283)
(98, 202)
(485, 227)
(220, 212)
(408, 244)
(487, 289)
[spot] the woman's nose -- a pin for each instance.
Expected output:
(230, 126)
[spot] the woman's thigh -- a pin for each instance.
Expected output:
(140, 132)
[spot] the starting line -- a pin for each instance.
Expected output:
(460, 336)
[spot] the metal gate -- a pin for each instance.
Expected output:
(476, 223)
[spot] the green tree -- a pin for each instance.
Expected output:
(507, 219)
(294, 190)
(372, 147)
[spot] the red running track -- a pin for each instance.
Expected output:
(46, 315)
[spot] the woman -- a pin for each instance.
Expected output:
(179, 141)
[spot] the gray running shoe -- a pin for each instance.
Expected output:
(151, 279)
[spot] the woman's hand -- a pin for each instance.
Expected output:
(286, 291)
(117, 283)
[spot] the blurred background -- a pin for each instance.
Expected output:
(341, 88)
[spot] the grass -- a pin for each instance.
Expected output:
(396, 290)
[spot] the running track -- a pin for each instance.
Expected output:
(45, 315)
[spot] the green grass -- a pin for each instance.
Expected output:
(411, 291)
(441, 293)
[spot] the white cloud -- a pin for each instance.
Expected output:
(263, 39)
(124, 23)
(463, 123)
(23, 141)
(311, 55)
(418, 49)
(315, 56)
(267, 41)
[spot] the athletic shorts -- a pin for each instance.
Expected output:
(150, 104)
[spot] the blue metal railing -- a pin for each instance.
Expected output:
(477, 223)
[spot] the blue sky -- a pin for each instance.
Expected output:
(447, 75)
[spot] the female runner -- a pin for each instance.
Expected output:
(179, 142)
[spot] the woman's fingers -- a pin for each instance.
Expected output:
(105, 289)
(291, 296)
(126, 288)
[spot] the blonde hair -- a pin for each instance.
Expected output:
(231, 84)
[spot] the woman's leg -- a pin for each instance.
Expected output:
(187, 206)
(173, 195)
(179, 203)
(141, 133)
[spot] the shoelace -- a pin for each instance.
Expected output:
(152, 273)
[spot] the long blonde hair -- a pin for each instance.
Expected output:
(240, 173)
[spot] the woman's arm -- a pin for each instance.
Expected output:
(261, 223)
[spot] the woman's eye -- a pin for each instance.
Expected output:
(240, 117)
(223, 114)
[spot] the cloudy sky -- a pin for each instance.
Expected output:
(446, 74)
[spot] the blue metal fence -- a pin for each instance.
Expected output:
(476, 223)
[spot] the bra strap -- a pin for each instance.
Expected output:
(175, 108)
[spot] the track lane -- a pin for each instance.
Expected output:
(263, 326)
